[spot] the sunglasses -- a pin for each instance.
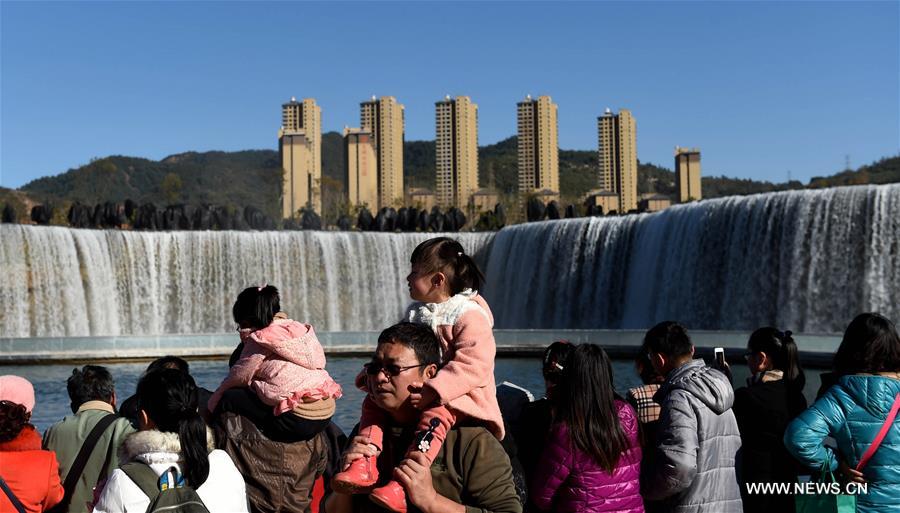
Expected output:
(390, 370)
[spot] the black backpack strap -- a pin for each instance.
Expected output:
(144, 477)
(78, 465)
(12, 497)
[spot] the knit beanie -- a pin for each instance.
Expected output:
(18, 390)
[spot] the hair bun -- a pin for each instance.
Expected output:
(788, 333)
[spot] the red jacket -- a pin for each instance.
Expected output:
(31, 473)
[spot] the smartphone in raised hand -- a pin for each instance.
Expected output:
(719, 353)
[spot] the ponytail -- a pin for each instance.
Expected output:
(782, 350)
(192, 434)
(169, 397)
(793, 374)
(446, 255)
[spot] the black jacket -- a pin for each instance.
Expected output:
(763, 411)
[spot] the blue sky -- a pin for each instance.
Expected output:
(763, 88)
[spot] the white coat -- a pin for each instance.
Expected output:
(222, 492)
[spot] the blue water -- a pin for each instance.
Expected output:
(53, 400)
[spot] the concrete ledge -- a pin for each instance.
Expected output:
(816, 350)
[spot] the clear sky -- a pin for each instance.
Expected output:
(763, 88)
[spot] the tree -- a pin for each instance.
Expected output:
(171, 188)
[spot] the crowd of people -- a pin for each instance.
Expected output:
(432, 436)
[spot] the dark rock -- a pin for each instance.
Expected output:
(130, 209)
(344, 223)
(436, 220)
(553, 210)
(500, 214)
(364, 221)
(147, 217)
(256, 220)
(79, 216)
(238, 222)
(219, 219)
(310, 220)
(402, 222)
(456, 220)
(9, 214)
(535, 210)
(42, 214)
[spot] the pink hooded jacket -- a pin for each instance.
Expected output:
(465, 384)
(284, 363)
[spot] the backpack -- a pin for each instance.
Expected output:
(167, 492)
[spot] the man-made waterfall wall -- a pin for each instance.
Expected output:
(67, 282)
(806, 261)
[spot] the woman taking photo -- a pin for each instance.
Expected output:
(592, 459)
(857, 412)
(772, 398)
(172, 435)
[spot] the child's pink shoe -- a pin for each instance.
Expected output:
(391, 497)
(359, 477)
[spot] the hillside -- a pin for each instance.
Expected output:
(252, 178)
(240, 178)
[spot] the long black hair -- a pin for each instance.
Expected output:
(870, 345)
(586, 404)
(446, 255)
(169, 397)
(780, 347)
(255, 307)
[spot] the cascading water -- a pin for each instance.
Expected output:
(67, 282)
(803, 260)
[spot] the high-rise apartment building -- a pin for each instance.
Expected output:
(361, 165)
(300, 146)
(383, 119)
(687, 174)
(538, 145)
(456, 122)
(617, 140)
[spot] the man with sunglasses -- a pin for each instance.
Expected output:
(471, 464)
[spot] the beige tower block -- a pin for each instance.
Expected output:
(300, 146)
(687, 174)
(538, 152)
(383, 118)
(617, 155)
(361, 165)
(456, 126)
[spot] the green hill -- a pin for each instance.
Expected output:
(253, 178)
(240, 178)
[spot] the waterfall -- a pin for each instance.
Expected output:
(58, 281)
(801, 260)
(807, 261)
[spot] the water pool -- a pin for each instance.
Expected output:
(53, 400)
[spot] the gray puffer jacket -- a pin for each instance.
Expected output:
(692, 467)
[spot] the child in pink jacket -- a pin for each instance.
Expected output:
(279, 382)
(444, 281)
